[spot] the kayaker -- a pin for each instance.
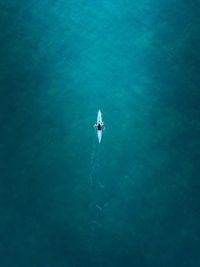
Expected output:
(99, 126)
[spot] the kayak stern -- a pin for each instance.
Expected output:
(99, 133)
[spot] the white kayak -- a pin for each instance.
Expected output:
(99, 120)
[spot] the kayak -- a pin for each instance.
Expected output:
(99, 120)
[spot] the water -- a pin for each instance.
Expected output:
(133, 200)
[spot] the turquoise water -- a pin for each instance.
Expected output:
(133, 200)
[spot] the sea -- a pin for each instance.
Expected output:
(134, 199)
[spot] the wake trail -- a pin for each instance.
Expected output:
(93, 164)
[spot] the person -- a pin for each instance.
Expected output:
(99, 126)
